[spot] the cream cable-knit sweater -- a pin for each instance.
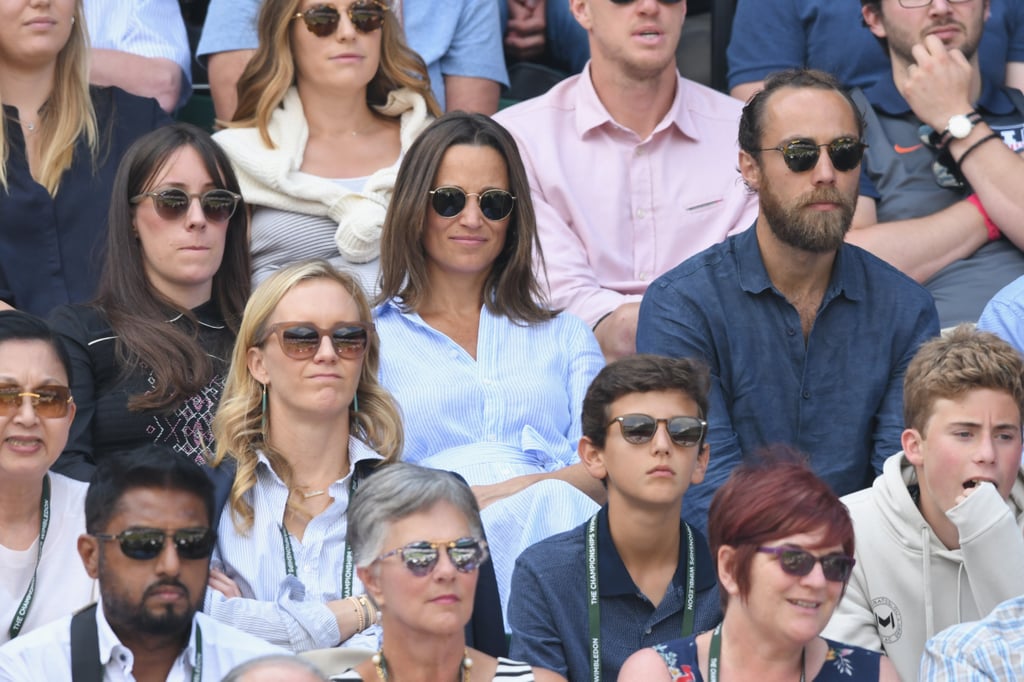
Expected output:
(270, 177)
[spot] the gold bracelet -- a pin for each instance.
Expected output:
(361, 619)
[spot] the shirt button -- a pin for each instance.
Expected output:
(639, 151)
(640, 213)
(643, 276)
(806, 394)
(647, 631)
(791, 331)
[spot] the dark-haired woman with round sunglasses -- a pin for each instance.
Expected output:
(302, 421)
(418, 543)
(329, 103)
(150, 353)
(783, 544)
(41, 512)
(489, 379)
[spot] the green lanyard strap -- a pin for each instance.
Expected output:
(594, 597)
(197, 671)
(44, 524)
(346, 569)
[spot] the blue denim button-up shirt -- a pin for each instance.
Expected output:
(838, 397)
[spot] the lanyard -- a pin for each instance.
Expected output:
(715, 653)
(347, 567)
(197, 671)
(44, 523)
(594, 597)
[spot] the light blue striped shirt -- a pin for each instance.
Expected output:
(289, 611)
(988, 649)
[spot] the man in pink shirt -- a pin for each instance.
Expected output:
(632, 168)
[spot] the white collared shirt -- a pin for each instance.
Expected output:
(45, 653)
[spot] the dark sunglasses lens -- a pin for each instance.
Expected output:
(796, 562)
(141, 544)
(420, 560)
(466, 555)
(366, 16)
(349, 342)
(637, 428)
(321, 20)
(194, 543)
(837, 568)
(51, 401)
(448, 202)
(800, 157)
(300, 342)
(845, 154)
(171, 204)
(496, 204)
(218, 205)
(10, 399)
(685, 431)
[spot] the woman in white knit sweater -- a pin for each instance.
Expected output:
(326, 108)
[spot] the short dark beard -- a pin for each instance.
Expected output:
(819, 232)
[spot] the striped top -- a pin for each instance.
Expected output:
(988, 649)
(508, 671)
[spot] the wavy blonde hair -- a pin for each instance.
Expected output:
(68, 113)
(237, 426)
(271, 71)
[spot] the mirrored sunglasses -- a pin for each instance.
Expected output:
(144, 544)
(495, 204)
(420, 557)
(172, 204)
(301, 340)
(322, 20)
(49, 402)
(640, 428)
(802, 155)
(835, 567)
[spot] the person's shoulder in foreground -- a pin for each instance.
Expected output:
(989, 649)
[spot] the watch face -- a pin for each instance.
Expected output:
(960, 126)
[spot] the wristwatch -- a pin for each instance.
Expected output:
(959, 127)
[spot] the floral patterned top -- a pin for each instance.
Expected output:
(843, 662)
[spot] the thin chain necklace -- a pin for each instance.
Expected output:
(382, 665)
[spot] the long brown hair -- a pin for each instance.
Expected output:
(511, 288)
(137, 312)
(68, 113)
(271, 71)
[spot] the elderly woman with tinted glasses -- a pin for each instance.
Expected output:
(303, 419)
(41, 514)
(783, 543)
(150, 353)
(490, 380)
(418, 542)
(327, 106)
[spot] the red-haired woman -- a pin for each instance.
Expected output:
(783, 543)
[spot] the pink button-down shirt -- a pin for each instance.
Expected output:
(615, 211)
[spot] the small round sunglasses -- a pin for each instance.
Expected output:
(420, 557)
(301, 340)
(49, 402)
(144, 544)
(322, 20)
(495, 204)
(172, 204)
(835, 567)
(802, 155)
(640, 428)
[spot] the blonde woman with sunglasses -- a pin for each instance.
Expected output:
(327, 106)
(302, 421)
(41, 513)
(150, 353)
(60, 144)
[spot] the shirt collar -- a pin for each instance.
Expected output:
(111, 646)
(591, 112)
(884, 96)
(615, 579)
(358, 451)
(847, 278)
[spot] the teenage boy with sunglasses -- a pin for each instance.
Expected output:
(149, 535)
(631, 166)
(807, 337)
(939, 538)
(634, 575)
(940, 190)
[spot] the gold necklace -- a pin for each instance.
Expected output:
(382, 665)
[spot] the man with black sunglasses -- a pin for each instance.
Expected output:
(940, 194)
(149, 535)
(807, 337)
(631, 166)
